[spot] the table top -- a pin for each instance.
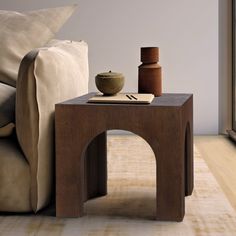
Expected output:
(167, 99)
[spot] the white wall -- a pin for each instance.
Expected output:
(185, 30)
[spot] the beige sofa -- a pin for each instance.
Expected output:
(46, 76)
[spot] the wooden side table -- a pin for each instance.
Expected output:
(81, 168)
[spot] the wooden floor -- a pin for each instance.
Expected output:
(129, 207)
(220, 155)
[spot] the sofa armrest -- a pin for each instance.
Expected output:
(46, 76)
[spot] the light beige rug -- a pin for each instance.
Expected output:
(129, 208)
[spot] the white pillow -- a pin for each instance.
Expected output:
(22, 32)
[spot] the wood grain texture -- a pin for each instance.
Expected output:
(219, 152)
(162, 124)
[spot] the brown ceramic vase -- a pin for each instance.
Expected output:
(149, 74)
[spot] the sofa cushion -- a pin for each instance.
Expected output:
(7, 130)
(21, 32)
(7, 109)
(14, 178)
(47, 76)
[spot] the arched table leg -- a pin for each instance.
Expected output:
(188, 155)
(96, 167)
(187, 124)
(170, 204)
